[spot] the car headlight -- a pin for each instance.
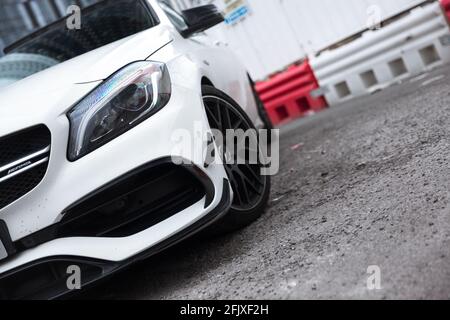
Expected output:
(121, 102)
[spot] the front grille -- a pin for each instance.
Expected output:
(23, 162)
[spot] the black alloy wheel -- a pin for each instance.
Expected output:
(251, 189)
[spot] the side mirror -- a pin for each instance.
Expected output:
(201, 18)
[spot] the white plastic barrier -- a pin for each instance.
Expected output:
(407, 47)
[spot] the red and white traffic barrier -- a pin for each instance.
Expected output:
(287, 95)
(446, 6)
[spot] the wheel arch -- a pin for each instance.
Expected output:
(206, 82)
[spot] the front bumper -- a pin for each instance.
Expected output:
(65, 183)
(47, 278)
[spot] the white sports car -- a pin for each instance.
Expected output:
(94, 168)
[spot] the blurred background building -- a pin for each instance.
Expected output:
(305, 54)
(268, 35)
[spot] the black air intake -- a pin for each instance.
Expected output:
(24, 160)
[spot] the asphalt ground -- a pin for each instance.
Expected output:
(362, 184)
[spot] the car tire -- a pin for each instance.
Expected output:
(237, 217)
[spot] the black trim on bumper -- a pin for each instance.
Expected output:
(129, 204)
(5, 238)
(98, 269)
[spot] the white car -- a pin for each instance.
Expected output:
(90, 180)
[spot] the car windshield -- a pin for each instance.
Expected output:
(100, 24)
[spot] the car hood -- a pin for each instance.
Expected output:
(43, 89)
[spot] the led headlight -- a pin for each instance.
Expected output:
(121, 102)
